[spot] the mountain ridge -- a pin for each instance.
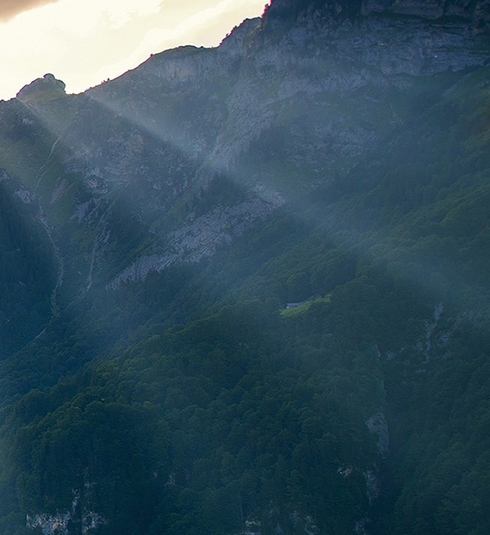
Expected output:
(260, 277)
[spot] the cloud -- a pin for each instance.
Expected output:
(10, 8)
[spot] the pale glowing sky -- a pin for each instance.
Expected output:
(83, 42)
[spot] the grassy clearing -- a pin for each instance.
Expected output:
(304, 306)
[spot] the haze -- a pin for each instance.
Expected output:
(84, 42)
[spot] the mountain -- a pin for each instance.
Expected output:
(245, 290)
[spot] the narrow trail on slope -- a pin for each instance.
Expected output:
(43, 169)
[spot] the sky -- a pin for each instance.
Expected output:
(84, 42)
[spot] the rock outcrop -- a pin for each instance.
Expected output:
(283, 104)
(42, 89)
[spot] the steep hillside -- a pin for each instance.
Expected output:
(28, 268)
(244, 289)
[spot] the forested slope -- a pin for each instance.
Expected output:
(187, 397)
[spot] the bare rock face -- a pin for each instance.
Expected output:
(431, 9)
(378, 425)
(477, 12)
(284, 103)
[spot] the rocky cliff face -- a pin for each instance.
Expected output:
(477, 12)
(284, 104)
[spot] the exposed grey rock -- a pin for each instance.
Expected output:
(477, 12)
(378, 425)
(430, 328)
(200, 238)
(59, 524)
(308, 96)
(372, 485)
(47, 87)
